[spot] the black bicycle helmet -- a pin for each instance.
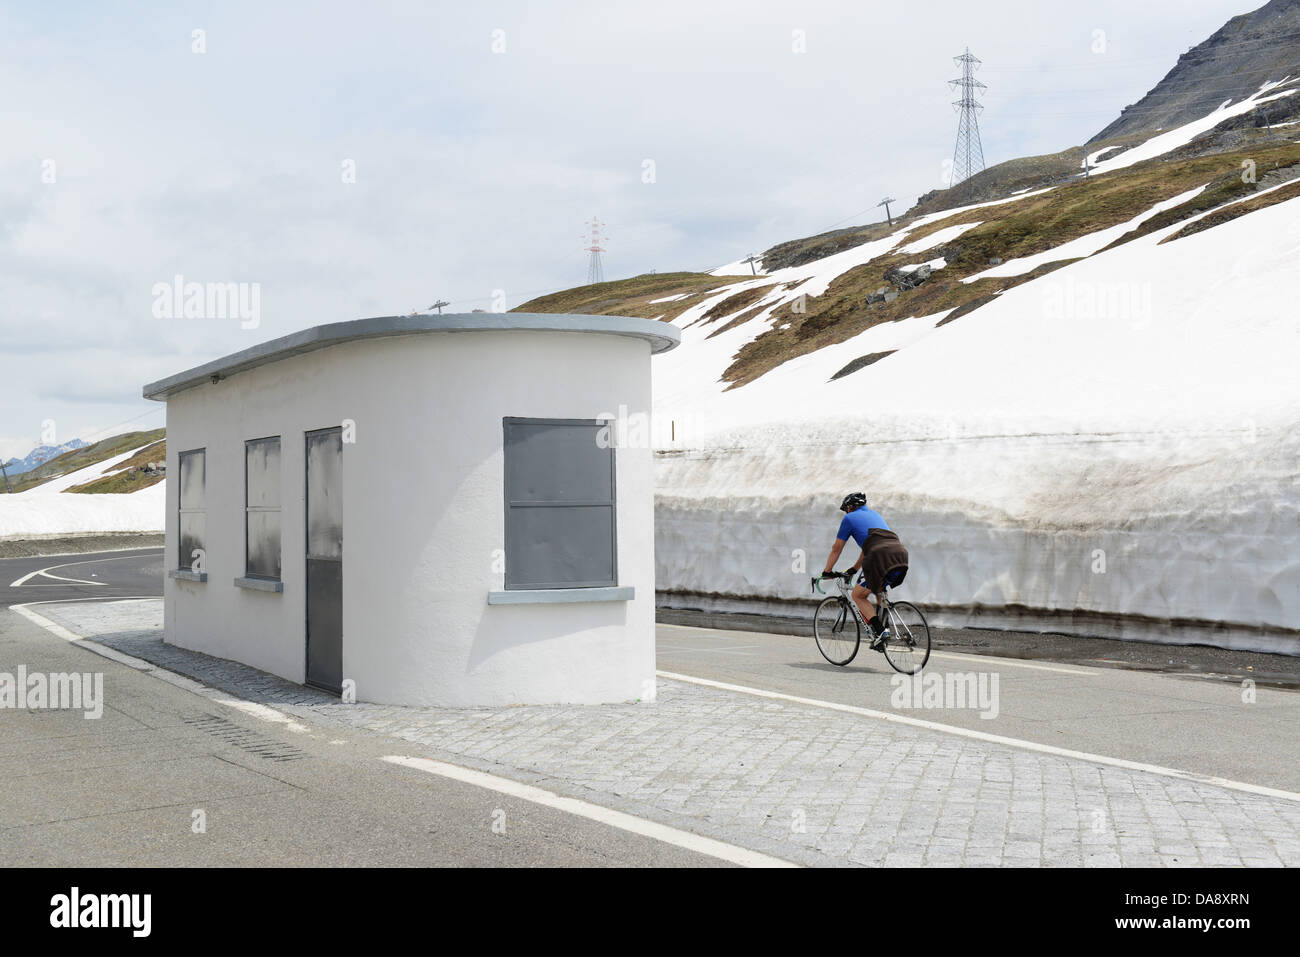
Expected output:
(853, 501)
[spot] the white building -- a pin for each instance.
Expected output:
(420, 510)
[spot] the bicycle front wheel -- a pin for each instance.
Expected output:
(908, 647)
(837, 630)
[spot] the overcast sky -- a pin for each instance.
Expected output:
(128, 158)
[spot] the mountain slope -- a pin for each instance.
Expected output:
(1247, 51)
(822, 300)
(83, 456)
(1075, 403)
(44, 509)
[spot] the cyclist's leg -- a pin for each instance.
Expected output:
(862, 598)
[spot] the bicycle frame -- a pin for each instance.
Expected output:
(896, 636)
(846, 592)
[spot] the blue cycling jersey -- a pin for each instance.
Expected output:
(859, 525)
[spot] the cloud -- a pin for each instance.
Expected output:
(475, 170)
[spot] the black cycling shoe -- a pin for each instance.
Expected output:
(877, 634)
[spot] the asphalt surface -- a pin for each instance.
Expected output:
(124, 788)
(1279, 671)
(137, 573)
(1189, 723)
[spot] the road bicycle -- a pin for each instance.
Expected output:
(838, 627)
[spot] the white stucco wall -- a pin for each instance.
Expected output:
(423, 506)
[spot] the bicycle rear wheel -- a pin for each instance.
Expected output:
(908, 647)
(837, 630)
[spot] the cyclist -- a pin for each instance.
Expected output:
(883, 561)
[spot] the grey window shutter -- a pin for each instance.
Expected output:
(561, 514)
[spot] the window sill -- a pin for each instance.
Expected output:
(260, 584)
(185, 575)
(548, 596)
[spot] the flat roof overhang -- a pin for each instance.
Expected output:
(662, 336)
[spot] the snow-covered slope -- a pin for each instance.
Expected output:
(1113, 437)
(739, 268)
(1180, 136)
(46, 510)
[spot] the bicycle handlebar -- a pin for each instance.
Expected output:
(818, 579)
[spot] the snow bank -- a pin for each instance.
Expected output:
(1115, 437)
(26, 515)
(47, 510)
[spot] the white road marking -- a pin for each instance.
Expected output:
(264, 712)
(738, 650)
(45, 572)
(1016, 663)
(990, 738)
(593, 812)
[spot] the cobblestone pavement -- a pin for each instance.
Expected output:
(798, 781)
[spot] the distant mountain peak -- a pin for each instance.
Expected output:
(1242, 55)
(40, 455)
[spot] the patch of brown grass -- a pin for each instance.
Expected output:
(1281, 195)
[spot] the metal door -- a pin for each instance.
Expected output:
(325, 559)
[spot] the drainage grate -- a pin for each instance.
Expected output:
(242, 738)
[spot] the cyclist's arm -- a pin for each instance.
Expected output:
(835, 555)
(853, 569)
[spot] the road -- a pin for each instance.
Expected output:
(129, 787)
(1187, 722)
(125, 788)
(137, 573)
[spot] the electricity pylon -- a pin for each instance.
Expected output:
(595, 272)
(968, 155)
